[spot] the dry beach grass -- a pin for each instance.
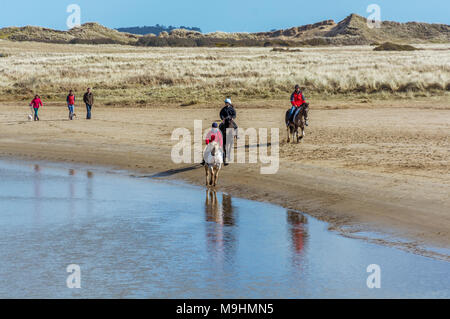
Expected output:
(129, 76)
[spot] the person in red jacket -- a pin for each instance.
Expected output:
(297, 100)
(217, 137)
(35, 104)
(71, 104)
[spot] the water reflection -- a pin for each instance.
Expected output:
(72, 193)
(89, 191)
(219, 213)
(221, 237)
(227, 210)
(141, 241)
(37, 193)
(297, 230)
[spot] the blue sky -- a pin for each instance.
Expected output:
(213, 15)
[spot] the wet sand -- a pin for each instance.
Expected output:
(361, 166)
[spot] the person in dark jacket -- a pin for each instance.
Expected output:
(88, 99)
(228, 111)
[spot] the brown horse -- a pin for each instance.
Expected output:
(298, 121)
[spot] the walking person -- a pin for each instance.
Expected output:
(35, 104)
(88, 99)
(71, 104)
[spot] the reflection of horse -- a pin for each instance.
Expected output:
(221, 235)
(227, 124)
(212, 209)
(220, 214)
(292, 126)
(213, 163)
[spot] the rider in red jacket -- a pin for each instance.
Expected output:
(297, 100)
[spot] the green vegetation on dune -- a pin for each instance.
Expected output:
(389, 46)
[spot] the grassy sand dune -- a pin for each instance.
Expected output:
(129, 76)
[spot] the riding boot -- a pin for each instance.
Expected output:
(225, 159)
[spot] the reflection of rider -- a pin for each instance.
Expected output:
(221, 235)
(297, 228)
(297, 100)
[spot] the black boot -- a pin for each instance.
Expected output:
(225, 159)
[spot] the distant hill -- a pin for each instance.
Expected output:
(88, 33)
(156, 30)
(353, 30)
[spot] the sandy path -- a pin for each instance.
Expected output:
(384, 169)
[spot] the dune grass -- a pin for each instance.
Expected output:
(132, 76)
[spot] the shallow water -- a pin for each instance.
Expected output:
(141, 238)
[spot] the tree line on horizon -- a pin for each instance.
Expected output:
(156, 29)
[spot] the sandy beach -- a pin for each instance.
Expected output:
(361, 166)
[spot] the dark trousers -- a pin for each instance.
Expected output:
(88, 110)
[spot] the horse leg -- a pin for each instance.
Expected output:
(216, 179)
(302, 127)
(295, 134)
(211, 173)
(206, 173)
(288, 134)
(213, 181)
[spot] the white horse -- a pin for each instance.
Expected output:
(213, 157)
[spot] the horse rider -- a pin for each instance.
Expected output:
(297, 101)
(217, 134)
(228, 112)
